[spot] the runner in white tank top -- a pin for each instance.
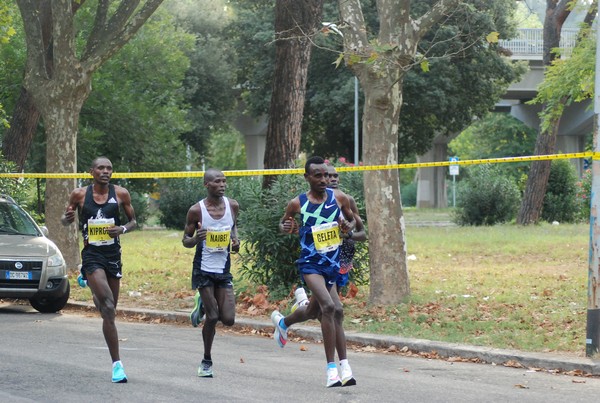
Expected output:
(211, 228)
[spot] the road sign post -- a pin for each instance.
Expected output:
(453, 172)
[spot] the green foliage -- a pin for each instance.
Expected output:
(14, 188)
(486, 197)
(226, 150)
(525, 17)
(19, 189)
(136, 111)
(409, 195)
(560, 201)
(251, 33)
(176, 198)
(210, 82)
(568, 80)
(584, 195)
(6, 23)
(10, 45)
(268, 256)
(466, 75)
(497, 135)
(139, 202)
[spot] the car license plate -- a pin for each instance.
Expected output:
(18, 275)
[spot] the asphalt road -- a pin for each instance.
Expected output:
(63, 358)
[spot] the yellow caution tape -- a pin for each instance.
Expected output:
(192, 174)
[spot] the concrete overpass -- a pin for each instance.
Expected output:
(576, 123)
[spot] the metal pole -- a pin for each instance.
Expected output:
(355, 120)
(592, 339)
(453, 190)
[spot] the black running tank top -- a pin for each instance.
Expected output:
(95, 219)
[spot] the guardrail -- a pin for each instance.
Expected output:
(530, 41)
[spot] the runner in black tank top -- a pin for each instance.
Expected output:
(98, 206)
(94, 211)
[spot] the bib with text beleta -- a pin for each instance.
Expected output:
(326, 237)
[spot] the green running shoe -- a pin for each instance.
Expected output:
(205, 369)
(197, 313)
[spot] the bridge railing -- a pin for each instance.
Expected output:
(530, 42)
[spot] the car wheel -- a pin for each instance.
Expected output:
(50, 305)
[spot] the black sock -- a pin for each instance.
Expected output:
(207, 358)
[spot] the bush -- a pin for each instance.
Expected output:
(560, 202)
(584, 195)
(176, 198)
(139, 202)
(409, 195)
(486, 197)
(268, 257)
(13, 187)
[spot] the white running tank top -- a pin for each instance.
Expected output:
(215, 249)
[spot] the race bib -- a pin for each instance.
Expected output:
(98, 231)
(217, 239)
(326, 237)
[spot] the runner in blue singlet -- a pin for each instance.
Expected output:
(319, 262)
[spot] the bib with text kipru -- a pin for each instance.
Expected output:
(98, 231)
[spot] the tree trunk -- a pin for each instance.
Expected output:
(24, 122)
(59, 102)
(60, 82)
(61, 121)
(537, 179)
(389, 281)
(25, 118)
(381, 80)
(294, 20)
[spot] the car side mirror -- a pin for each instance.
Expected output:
(45, 230)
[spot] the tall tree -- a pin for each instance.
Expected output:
(6, 31)
(557, 12)
(295, 23)
(381, 80)
(26, 116)
(60, 88)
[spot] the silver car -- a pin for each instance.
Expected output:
(31, 265)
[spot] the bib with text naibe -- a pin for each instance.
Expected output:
(217, 239)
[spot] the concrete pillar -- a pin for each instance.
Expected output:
(431, 182)
(255, 134)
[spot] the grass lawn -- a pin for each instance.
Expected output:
(505, 286)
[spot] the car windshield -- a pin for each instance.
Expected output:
(15, 221)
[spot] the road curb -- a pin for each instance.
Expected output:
(546, 361)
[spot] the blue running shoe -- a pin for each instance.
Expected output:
(118, 373)
(81, 281)
(197, 313)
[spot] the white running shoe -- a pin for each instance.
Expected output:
(299, 304)
(333, 379)
(347, 378)
(280, 335)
